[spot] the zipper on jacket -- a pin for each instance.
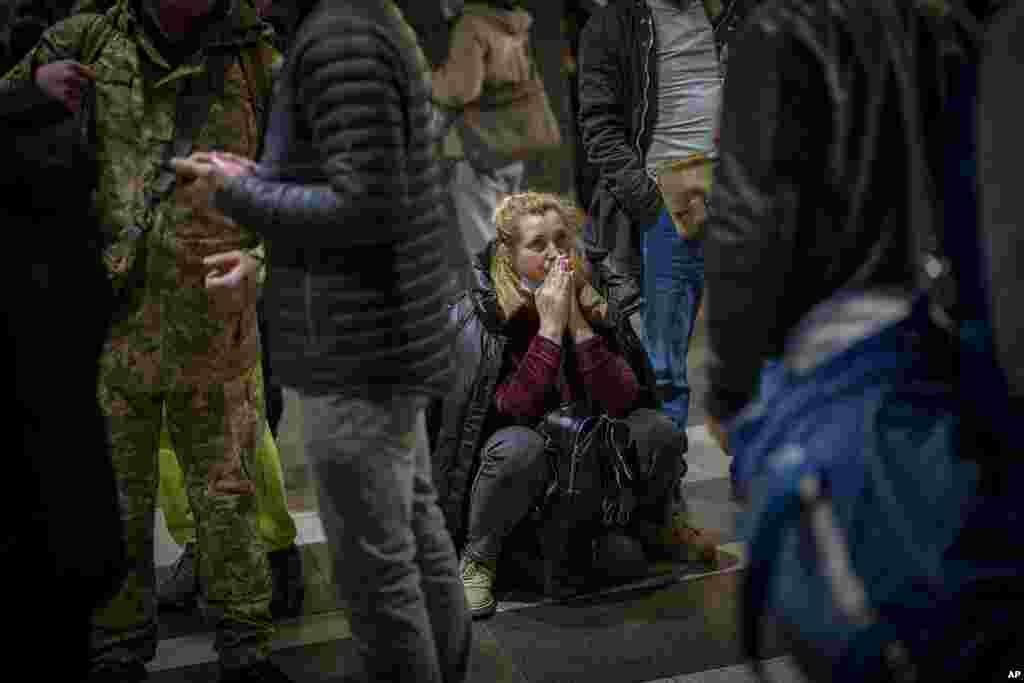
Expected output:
(308, 299)
(649, 20)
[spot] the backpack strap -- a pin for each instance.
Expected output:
(191, 111)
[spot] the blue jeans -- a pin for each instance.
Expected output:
(394, 562)
(673, 284)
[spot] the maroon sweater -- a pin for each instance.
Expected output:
(533, 386)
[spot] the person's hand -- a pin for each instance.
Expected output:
(230, 270)
(233, 165)
(691, 214)
(215, 168)
(228, 478)
(232, 280)
(201, 175)
(579, 326)
(554, 301)
(718, 433)
(65, 81)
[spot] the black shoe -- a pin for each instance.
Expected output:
(261, 672)
(181, 589)
(119, 672)
(289, 584)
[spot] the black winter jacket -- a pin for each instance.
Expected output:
(55, 318)
(479, 354)
(812, 194)
(618, 96)
(349, 197)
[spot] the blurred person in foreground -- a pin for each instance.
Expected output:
(844, 408)
(348, 194)
(62, 551)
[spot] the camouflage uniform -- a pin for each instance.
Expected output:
(175, 345)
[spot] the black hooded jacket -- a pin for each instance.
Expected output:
(479, 356)
(815, 193)
(618, 97)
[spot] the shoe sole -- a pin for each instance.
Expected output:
(483, 612)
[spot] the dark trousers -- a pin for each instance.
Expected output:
(61, 553)
(514, 471)
(273, 393)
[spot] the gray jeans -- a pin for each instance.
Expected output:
(394, 562)
(514, 471)
(476, 195)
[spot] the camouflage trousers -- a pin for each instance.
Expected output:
(273, 518)
(215, 429)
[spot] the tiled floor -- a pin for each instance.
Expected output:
(677, 626)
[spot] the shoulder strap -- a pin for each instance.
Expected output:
(191, 111)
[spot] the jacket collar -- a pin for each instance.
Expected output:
(484, 296)
(482, 291)
(239, 25)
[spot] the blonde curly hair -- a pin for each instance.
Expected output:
(515, 207)
(512, 295)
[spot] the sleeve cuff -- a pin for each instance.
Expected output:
(546, 350)
(592, 354)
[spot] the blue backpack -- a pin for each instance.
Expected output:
(882, 527)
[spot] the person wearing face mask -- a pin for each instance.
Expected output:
(535, 333)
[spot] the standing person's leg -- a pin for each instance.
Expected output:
(673, 283)
(276, 525)
(172, 496)
(274, 521)
(124, 632)
(214, 429)
(472, 199)
(446, 601)
(476, 194)
(181, 587)
(459, 256)
(363, 454)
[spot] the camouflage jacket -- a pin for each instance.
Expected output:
(136, 98)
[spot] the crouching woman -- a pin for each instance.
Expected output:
(534, 333)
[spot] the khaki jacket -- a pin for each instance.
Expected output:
(489, 47)
(195, 336)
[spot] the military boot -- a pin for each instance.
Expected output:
(681, 541)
